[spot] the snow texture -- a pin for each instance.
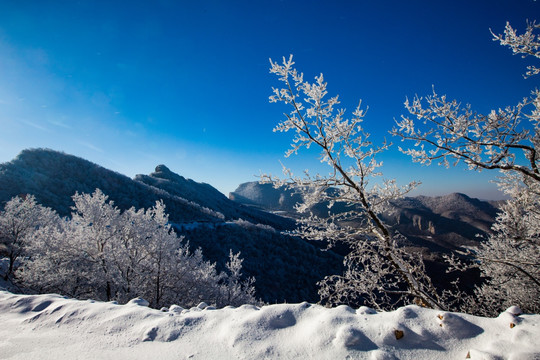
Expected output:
(55, 327)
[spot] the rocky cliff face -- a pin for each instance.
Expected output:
(209, 197)
(265, 196)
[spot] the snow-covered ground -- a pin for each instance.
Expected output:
(55, 327)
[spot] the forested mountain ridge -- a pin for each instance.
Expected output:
(54, 177)
(432, 226)
(448, 221)
(285, 268)
(210, 197)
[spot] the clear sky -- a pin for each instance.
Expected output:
(133, 84)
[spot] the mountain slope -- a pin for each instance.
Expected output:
(285, 268)
(281, 200)
(202, 193)
(53, 177)
(432, 226)
(449, 221)
(452, 220)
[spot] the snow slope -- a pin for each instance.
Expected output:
(55, 327)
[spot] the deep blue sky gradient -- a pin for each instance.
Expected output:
(130, 85)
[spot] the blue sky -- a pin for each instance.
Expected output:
(130, 85)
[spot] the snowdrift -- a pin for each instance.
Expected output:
(56, 327)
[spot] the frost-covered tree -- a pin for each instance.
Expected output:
(103, 253)
(236, 290)
(55, 263)
(510, 256)
(378, 271)
(75, 257)
(95, 229)
(507, 140)
(21, 216)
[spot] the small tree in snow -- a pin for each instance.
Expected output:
(508, 140)
(20, 217)
(235, 290)
(378, 271)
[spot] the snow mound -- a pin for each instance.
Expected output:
(55, 327)
(138, 301)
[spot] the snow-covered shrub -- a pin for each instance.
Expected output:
(103, 253)
(21, 216)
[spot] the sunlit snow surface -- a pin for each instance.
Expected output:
(55, 327)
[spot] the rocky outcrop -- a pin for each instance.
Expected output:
(449, 221)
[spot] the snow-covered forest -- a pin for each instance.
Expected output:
(105, 254)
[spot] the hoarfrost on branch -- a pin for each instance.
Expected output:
(507, 140)
(378, 271)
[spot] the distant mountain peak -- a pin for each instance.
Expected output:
(457, 195)
(162, 172)
(162, 169)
